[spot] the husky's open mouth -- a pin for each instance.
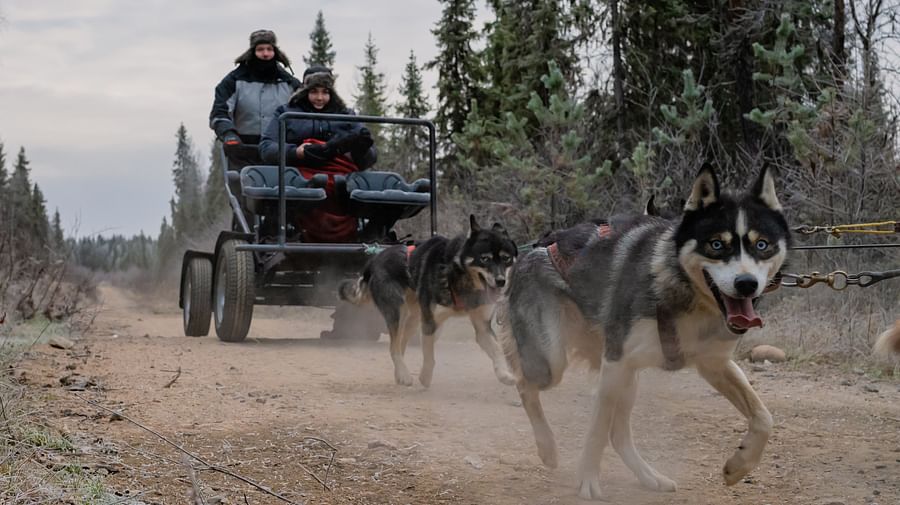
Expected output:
(740, 315)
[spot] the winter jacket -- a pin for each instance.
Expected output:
(244, 102)
(298, 130)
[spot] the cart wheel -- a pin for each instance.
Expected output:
(234, 292)
(196, 296)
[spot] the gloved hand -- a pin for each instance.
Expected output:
(231, 138)
(363, 140)
(316, 155)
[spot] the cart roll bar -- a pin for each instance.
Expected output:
(282, 149)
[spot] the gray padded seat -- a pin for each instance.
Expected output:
(387, 188)
(260, 182)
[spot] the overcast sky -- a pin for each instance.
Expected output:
(95, 89)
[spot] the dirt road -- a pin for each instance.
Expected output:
(248, 408)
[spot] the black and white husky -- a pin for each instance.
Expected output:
(429, 283)
(642, 291)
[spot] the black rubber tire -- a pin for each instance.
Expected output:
(196, 297)
(234, 292)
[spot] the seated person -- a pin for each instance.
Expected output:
(334, 148)
(315, 146)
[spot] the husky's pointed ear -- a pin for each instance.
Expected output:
(705, 191)
(650, 209)
(497, 227)
(473, 225)
(764, 188)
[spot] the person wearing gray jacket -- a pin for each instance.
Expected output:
(246, 98)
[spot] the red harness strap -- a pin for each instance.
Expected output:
(564, 263)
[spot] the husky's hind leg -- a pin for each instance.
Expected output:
(624, 444)
(543, 435)
(613, 376)
(396, 313)
(729, 380)
(484, 335)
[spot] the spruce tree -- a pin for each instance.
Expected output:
(19, 202)
(215, 201)
(4, 175)
(457, 66)
(320, 51)
(57, 238)
(40, 226)
(370, 97)
(409, 144)
(187, 204)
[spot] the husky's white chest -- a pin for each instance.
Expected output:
(700, 337)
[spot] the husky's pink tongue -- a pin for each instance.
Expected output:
(740, 312)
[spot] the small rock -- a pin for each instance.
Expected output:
(876, 492)
(102, 471)
(375, 444)
(347, 461)
(61, 343)
(767, 352)
(515, 403)
(831, 501)
(758, 368)
(115, 416)
(475, 461)
(871, 388)
(260, 400)
(846, 382)
(859, 371)
(880, 467)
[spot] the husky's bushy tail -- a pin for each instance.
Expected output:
(888, 344)
(355, 291)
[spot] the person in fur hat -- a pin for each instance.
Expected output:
(320, 146)
(317, 94)
(245, 98)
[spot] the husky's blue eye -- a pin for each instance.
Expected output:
(716, 245)
(761, 245)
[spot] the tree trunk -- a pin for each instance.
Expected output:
(618, 78)
(838, 55)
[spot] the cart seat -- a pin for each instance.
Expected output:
(259, 185)
(374, 194)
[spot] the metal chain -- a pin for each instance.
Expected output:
(837, 280)
(839, 229)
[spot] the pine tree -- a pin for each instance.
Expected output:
(320, 52)
(370, 98)
(4, 190)
(216, 208)
(409, 145)
(520, 42)
(458, 67)
(40, 226)
(58, 240)
(187, 211)
(4, 175)
(19, 202)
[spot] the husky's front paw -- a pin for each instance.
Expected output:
(403, 377)
(656, 481)
(425, 376)
(737, 467)
(549, 456)
(590, 489)
(505, 376)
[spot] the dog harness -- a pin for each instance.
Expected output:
(673, 358)
(564, 263)
(457, 303)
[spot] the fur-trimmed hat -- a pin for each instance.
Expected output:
(314, 77)
(263, 37)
